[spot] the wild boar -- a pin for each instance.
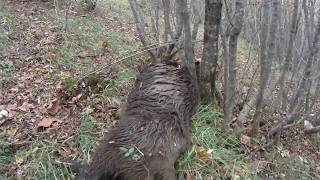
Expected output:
(153, 130)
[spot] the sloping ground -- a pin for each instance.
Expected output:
(58, 108)
(56, 112)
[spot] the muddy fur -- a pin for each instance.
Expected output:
(155, 122)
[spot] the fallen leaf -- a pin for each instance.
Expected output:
(12, 132)
(14, 89)
(19, 160)
(285, 153)
(29, 58)
(51, 129)
(37, 81)
(203, 156)
(189, 177)
(71, 144)
(54, 107)
(43, 109)
(49, 40)
(11, 108)
(75, 99)
(59, 85)
(245, 140)
(104, 45)
(25, 107)
(64, 152)
(46, 122)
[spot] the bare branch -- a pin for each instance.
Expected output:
(139, 19)
(188, 47)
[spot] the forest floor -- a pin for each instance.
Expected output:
(63, 87)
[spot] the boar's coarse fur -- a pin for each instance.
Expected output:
(155, 122)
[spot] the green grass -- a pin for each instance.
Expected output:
(118, 9)
(84, 37)
(42, 158)
(122, 42)
(6, 68)
(10, 30)
(86, 137)
(6, 156)
(295, 168)
(290, 166)
(123, 80)
(219, 149)
(41, 161)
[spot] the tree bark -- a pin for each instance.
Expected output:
(230, 85)
(293, 30)
(267, 55)
(209, 61)
(188, 60)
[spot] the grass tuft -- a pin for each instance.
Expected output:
(41, 161)
(123, 80)
(214, 154)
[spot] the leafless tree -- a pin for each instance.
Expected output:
(288, 59)
(209, 63)
(230, 63)
(169, 37)
(282, 37)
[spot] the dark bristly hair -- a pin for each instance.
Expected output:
(155, 122)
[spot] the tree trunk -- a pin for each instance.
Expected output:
(188, 60)
(210, 49)
(267, 54)
(230, 85)
(293, 30)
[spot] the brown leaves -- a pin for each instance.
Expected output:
(46, 122)
(25, 107)
(11, 108)
(202, 156)
(54, 106)
(104, 45)
(76, 98)
(246, 140)
(189, 177)
(65, 152)
(290, 7)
